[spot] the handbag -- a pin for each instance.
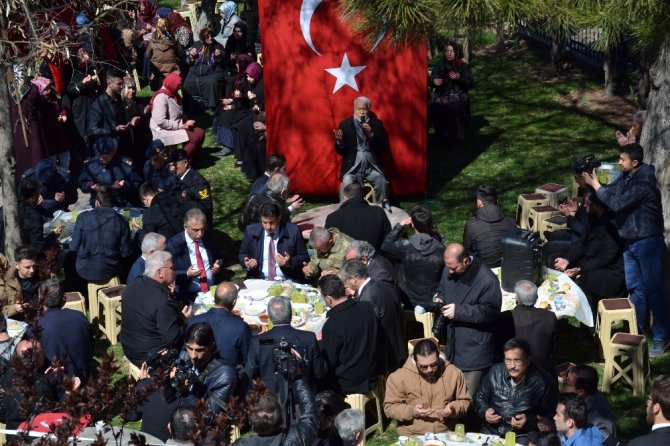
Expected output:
(450, 99)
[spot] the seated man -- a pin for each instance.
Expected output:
(329, 248)
(599, 412)
(183, 423)
(572, 425)
(72, 346)
(273, 248)
(392, 345)
(357, 219)
(157, 169)
(428, 394)
(349, 340)
(494, 404)
(101, 239)
(658, 414)
(113, 171)
(194, 263)
(192, 185)
(232, 334)
(379, 267)
(483, 233)
(152, 320)
(361, 141)
(273, 164)
(164, 211)
(57, 189)
(276, 191)
(420, 258)
(32, 218)
(151, 243)
(20, 283)
(350, 425)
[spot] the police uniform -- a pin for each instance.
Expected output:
(161, 178)
(119, 168)
(197, 189)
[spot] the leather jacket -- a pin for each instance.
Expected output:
(535, 394)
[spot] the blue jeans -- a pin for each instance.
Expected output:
(643, 264)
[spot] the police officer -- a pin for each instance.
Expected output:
(193, 185)
(115, 172)
(157, 169)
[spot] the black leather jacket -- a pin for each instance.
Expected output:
(301, 433)
(534, 395)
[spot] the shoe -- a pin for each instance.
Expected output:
(657, 348)
(224, 152)
(238, 163)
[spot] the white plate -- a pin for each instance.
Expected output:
(299, 308)
(255, 295)
(255, 310)
(297, 321)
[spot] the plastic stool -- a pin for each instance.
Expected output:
(190, 13)
(359, 401)
(109, 299)
(524, 203)
(426, 319)
(552, 224)
(93, 288)
(133, 370)
(537, 214)
(609, 312)
(636, 372)
(75, 301)
(554, 192)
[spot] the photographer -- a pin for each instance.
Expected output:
(199, 373)
(266, 418)
(636, 202)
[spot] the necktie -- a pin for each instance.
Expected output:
(201, 266)
(272, 263)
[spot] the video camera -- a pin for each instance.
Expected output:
(156, 360)
(440, 320)
(284, 361)
(183, 373)
(585, 164)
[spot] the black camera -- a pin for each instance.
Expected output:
(284, 361)
(156, 360)
(183, 374)
(440, 320)
(585, 164)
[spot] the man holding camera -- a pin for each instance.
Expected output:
(636, 202)
(199, 373)
(361, 140)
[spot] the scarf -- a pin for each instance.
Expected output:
(41, 83)
(171, 85)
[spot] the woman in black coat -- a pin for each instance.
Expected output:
(205, 77)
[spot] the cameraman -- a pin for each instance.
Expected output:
(199, 373)
(266, 418)
(636, 202)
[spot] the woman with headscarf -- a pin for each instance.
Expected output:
(167, 118)
(229, 18)
(234, 124)
(450, 105)
(204, 82)
(164, 52)
(238, 44)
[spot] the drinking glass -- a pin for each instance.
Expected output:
(510, 438)
(460, 429)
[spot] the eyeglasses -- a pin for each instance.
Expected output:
(171, 268)
(515, 361)
(434, 365)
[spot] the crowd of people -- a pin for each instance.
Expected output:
(496, 371)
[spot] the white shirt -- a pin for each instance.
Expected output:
(181, 178)
(279, 274)
(660, 426)
(194, 287)
(360, 290)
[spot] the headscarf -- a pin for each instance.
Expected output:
(82, 19)
(171, 85)
(243, 61)
(228, 9)
(254, 70)
(147, 10)
(164, 12)
(41, 83)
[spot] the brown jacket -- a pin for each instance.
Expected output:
(405, 388)
(10, 288)
(164, 55)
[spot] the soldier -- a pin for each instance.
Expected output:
(115, 172)
(193, 185)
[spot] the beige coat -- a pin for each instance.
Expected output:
(405, 388)
(10, 288)
(166, 116)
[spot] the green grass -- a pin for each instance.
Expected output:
(523, 138)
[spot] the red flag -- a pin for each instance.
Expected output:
(314, 68)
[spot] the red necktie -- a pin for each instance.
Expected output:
(272, 263)
(201, 266)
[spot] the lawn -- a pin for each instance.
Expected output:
(524, 136)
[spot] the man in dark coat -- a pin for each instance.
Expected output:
(386, 304)
(349, 340)
(273, 248)
(108, 115)
(114, 171)
(380, 268)
(658, 414)
(276, 191)
(192, 185)
(273, 164)
(232, 334)
(483, 233)
(151, 317)
(361, 141)
(101, 239)
(164, 211)
(32, 218)
(56, 188)
(472, 297)
(358, 219)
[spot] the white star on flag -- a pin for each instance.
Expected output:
(346, 74)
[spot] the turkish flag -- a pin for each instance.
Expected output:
(314, 68)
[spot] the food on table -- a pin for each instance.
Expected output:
(298, 297)
(275, 290)
(455, 436)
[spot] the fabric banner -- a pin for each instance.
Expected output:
(314, 68)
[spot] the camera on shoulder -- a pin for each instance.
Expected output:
(284, 361)
(184, 372)
(585, 164)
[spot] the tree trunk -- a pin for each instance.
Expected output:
(643, 84)
(609, 72)
(8, 171)
(555, 55)
(500, 38)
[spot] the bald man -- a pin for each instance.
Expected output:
(232, 334)
(472, 297)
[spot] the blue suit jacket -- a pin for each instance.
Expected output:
(136, 270)
(289, 240)
(232, 334)
(176, 245)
